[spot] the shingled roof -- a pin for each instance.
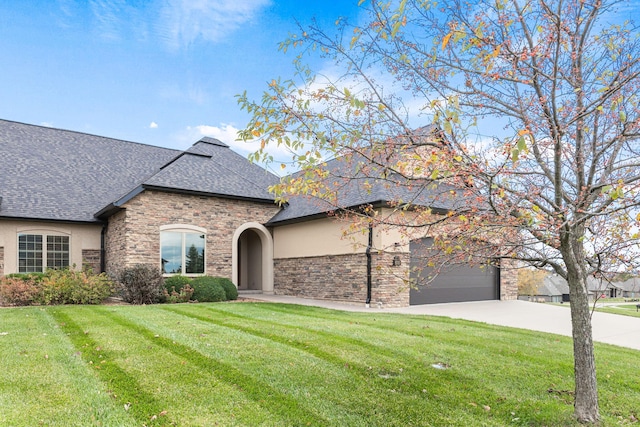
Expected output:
(55, 174)
(355, 182)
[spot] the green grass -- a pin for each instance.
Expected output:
(623, 309)
(260, 364)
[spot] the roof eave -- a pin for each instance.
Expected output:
(116, 206)
(56, 220)
(325, 214)
(208, 194)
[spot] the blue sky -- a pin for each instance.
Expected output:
(160, 72)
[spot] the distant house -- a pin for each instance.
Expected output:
(552, 289)
(73, 199)
(603, 289)
(630, 288)
(555, 289)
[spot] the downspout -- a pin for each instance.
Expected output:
(369, 246)
(103, 250)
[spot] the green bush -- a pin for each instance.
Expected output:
(230, 289)
(36, 277)
(18, 290)
(141, 284)
(175, 283)
(207, 289)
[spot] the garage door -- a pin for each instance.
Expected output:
(458, 284)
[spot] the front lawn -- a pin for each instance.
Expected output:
(251, 364)
(624, 309)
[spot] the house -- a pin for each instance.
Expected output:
(73, 199)
(556, 289)
(630, 288)
(553, 288)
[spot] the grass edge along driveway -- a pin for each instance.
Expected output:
(286, 365)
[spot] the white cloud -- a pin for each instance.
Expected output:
(46, 124)
(179, 23)
(153, 125)
(116, 20)
(228, 134)
(182, 22)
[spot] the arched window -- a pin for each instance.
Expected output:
(182, 249)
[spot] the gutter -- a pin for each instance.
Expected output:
(369, 246)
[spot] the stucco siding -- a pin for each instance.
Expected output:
(82, 237)
(316, 238)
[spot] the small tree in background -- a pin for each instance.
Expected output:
(535, 123)
(195, 260)
(529, 280)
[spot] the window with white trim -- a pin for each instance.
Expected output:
(37, 252)
(182, 251)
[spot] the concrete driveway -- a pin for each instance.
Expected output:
(607, 328)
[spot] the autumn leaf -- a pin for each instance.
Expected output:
(445, 40)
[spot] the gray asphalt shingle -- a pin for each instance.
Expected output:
(56, 174)
(356, 186)
(216, 169)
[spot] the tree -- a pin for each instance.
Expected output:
(533, 118)
(195, 260)
(529, 280)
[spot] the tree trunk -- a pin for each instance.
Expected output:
(586, 391)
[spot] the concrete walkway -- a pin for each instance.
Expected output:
(607, 328)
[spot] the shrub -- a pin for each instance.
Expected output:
(89, 288)
(68, 286)
(184, 295)
(16, 290)
(141, 284)
(175, 283)
(56, 287)
(207, 289)
(36, 277)
(230, 289)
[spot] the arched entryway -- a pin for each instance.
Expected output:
(252, 258)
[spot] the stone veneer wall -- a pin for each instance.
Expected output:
(116, 243)
(391, 283)
(1, 261)
(344, 278)
(91, 259)
(508, 280)
(133, 235)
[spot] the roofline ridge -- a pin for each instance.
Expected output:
(88, 134)
(212, 141)
(224, 166)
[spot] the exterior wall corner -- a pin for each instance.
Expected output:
(508, 280)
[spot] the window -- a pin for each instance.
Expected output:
(37, 251)
(182, 251)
